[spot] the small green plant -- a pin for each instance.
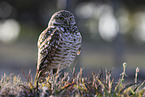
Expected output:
(73, 84)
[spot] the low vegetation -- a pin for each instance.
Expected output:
(74, 85)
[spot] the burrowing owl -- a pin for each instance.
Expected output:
(58, 44)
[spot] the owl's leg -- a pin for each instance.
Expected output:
(54, 71)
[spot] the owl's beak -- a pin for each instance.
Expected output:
(67, 22)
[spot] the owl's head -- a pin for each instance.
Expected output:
(62, 18)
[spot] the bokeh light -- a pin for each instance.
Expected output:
(123, 19)
(9, 30)
(61, 4)
(139, 32)
(5, 10)
(86, 10)
(108, 25)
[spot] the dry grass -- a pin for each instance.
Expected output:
(61, 85)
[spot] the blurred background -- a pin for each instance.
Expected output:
(113, 32)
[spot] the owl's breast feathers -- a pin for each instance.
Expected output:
(57, 47)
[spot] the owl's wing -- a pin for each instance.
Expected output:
(47, 45)
(42, 37)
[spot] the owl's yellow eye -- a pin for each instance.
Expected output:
(71, 18)
(60, 18)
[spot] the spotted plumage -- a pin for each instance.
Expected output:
(58, 44)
